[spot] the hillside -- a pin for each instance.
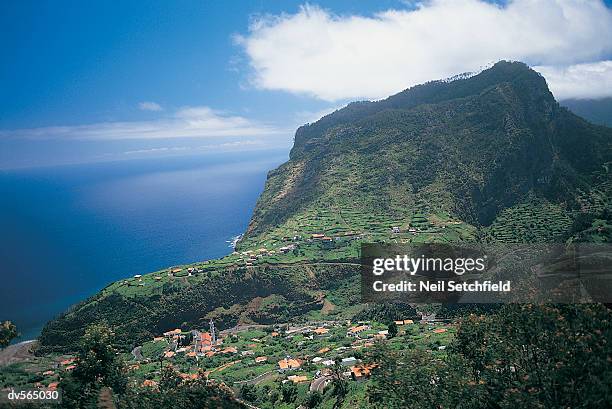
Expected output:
(469, 148)
(491, 157)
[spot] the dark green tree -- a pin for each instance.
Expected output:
(248, 392)
(8, 331)
(339, 384)
(289, 392)
(393, 330)
(97, 365)
(313, 399)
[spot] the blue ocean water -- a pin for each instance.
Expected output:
(66, 232)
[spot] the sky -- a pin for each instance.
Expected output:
(109, 80)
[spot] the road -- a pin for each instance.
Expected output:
(319, 384)
(137, 354)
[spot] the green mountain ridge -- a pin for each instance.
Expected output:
(490, 157)
(471, 148)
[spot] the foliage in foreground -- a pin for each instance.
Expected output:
(524, 356)
(8, 331)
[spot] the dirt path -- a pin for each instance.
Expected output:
(16, 353)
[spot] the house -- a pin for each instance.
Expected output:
(395, 229)
(361, 372)
(70, 367)
(245, 353)
(261, 359)
(138, 276)
(274, 334)
(321, 331)
(48, 373)
(323, 350)
(317, 236)
(188, 376)
(297, 378)
(53, 385)
(229, 350)
(173, 333)
(350, 361)
(317, 359)
(191, 354)
(67, 361)
(148, 383)
(203, 341)
(328, 362)
(355, 331)
(287, 249)
(169, 354)
(288, 364)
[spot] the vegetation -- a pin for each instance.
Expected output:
(525, 356)
(8, 331)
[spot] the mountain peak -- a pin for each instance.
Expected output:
(529, 84)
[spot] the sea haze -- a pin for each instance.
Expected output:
(68, 231)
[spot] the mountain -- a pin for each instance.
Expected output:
(597, 111)
(492, 157)
(470, 148)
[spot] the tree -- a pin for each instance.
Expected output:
(313, 399)
(97, 365)
(248, 392)
(8, 331)
(289, 392)
(169, 379)
(339, 384)
(97, 361)
(393, 330)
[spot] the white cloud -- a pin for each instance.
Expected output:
(186, 122)
(331, 57)
(234, 145)
(150, 106)
(581, 81)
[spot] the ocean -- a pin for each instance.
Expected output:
(68, 231)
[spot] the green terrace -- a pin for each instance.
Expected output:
(313, 236)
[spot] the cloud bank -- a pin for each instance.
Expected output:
(581, 81)
(187, 122)
(332, 57)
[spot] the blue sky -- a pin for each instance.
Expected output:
(90, 81)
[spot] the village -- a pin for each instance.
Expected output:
(305, 355)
